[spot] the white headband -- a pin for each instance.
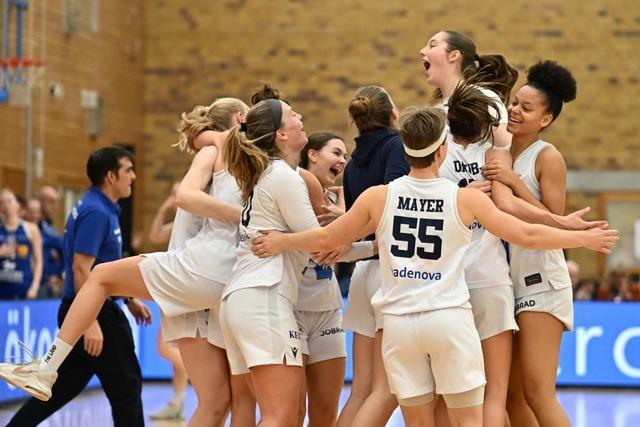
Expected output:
(424, 152)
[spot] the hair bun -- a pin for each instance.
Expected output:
(265, 92)
(360, 106)
(554, 78)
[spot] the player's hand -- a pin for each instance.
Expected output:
(267, 243)
(574, 221)
(601, 240)
(93, 339)
(330, 257)
(139, 311)
(484, 186)
(499, 171)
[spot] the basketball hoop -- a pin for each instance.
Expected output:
(19, 75)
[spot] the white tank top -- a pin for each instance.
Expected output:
(535, 271)
(486, 261)
(422, 244)
(185, 226)
(279, 201)
(319, 289)
(212, 252)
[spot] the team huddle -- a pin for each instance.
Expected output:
(453, 212)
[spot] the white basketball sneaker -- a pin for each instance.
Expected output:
(29, 378)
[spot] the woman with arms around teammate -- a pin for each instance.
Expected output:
(257, 309)
(486, 268)
(423, 296)
(377, 159)
(544, 307)
(180, 282)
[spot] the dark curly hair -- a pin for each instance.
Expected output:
(555, 82)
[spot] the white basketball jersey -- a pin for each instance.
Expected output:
(319, 289)
(534, 271)
(422, 244)
(486, 261)
(279, 201)
(185, 226)
(212, 252)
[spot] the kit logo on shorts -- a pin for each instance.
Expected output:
(294, 350)
(534, 279)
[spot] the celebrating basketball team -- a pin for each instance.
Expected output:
(453, 212)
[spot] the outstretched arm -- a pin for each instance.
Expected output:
(344, 230)
(502, 195)
(473, 204)
(190, 196)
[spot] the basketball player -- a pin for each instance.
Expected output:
(319, 300)
(257, 317)
(544, 307)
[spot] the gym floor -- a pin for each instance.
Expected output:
(586, 408)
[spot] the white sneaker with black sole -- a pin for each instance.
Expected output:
(30, 378)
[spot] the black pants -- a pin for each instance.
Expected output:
(117, 369)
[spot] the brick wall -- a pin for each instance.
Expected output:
(109, 61)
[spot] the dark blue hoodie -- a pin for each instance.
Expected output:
(377, 159)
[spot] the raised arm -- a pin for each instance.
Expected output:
(190, 196)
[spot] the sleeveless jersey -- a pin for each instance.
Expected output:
(212, 252)
(486, 261)
(16, 273)
(319, 289)
(422, 244)
(534, 271)
(185, 226)
(279, 201)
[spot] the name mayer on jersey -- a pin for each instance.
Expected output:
(420, 205)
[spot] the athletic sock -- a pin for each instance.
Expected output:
(56, 354)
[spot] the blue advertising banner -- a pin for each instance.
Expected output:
(603, 349)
